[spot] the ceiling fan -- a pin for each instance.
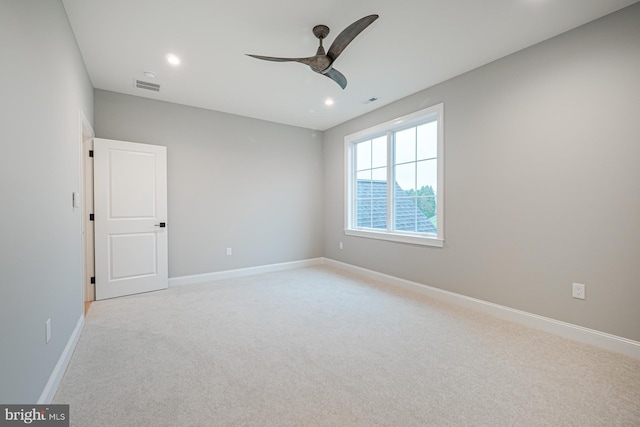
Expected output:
(322, 62)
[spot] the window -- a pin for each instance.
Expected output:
(395, 180)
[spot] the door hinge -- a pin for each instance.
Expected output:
(90, 153)
(90, 217)
(93, 280)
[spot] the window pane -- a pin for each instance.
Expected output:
(363, 189)
(427, 207)
(406, 178)
(411, 216)
(363, 184)
(379, 152)
(406, 146)
(426, 219)
(364, 175)
(379, 213)
(379, 189)
(428, 141)
(427, 174)
(405, 214)
(363, 213)
(363, 155)
(379, 174)
(371, 213)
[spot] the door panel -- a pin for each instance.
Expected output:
(130, 187)
(133, 186)
(132, 255)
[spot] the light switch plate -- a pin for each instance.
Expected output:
(47, 327)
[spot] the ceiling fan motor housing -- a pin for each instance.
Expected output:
(321, 31)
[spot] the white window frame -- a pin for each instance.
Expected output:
(389, 128)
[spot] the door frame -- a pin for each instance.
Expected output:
(86, 191)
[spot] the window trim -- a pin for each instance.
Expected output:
(391, 126)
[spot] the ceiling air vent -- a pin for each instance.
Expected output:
(148, 86)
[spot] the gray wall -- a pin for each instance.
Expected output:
(43, 87)
(542, 181)
(251, 185)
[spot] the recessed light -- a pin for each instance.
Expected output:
(328, 101)
(172, 59)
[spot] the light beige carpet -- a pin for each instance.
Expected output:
(317, 347)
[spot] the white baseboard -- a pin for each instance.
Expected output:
(556, 327)
(242, 272)
(58, 371)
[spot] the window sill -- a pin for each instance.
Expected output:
(396, 237)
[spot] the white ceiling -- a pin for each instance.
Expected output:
(414, 44)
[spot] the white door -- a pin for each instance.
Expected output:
(130, 217)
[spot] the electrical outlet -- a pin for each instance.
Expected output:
(579, 291)
(47, 326)
(341, 246)
(229, 251)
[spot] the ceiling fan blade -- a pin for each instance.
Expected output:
(271, 58)
(306, 61)
(337, 77)
(348, 34)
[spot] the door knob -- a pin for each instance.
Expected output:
(161, 225)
